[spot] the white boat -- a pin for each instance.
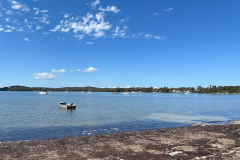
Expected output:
(133, 92)
(188, 92)
(154, 92)
(50, 91)
(67, 105)
(82, 91)
(115, 92)
(126, 92)
(90, 90)
(67, 91)
(42, 92)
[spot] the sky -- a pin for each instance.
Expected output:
(119, 43)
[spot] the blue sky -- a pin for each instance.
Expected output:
(119, 43)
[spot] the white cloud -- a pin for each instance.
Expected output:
(45, 75)
(12, 28)
(155, 37)
(148, 36)
(19, 6)
(26, 39)
(43, 19)
(9, 12)
(20, 30)
(124, 20)
(169, 9)
(79, 36)
(94, 4)
(1, 29)
(109, 9)
(38, 27)
(99, 34)
(155, 14)
(40, 11)
(88, 25)
(56, 71)
(159, 37)
(100, 16)
(65, 29)
(79, 70)
(45, 33)
(8, 30)
(90, 69)
(66, 15)
(29, 26)
(71, 70)
(137, 35)
(7, 19)
(118, 32)
(89, 42)
(56, 28)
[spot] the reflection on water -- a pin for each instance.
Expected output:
(28, 115)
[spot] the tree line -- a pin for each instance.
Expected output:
(199, 89)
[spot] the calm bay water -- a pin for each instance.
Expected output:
(29, 115)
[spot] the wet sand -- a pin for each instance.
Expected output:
(193, 142)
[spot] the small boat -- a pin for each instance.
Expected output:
(42, 92)
(67, 91)
(188, 92)
(50, 91)
(125, 92)
(115, 92)
(82, 91)
(90, 90)
(67, 105)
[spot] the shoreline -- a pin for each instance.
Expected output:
(198, 141)
(122, 92)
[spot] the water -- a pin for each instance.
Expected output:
(29, 115)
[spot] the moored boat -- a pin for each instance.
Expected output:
(67, 105)
(42, 92)
(115, 92)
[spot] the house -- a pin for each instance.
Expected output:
(176, 91)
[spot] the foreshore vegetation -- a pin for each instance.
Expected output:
(210, 89)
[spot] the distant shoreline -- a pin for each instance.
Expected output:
(211, 89)
(139, 92)
(192, 142)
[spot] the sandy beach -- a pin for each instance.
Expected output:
(193, 142)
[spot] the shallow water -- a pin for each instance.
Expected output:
(29, 115)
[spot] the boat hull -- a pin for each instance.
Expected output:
(67, 105)
(42, 92)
